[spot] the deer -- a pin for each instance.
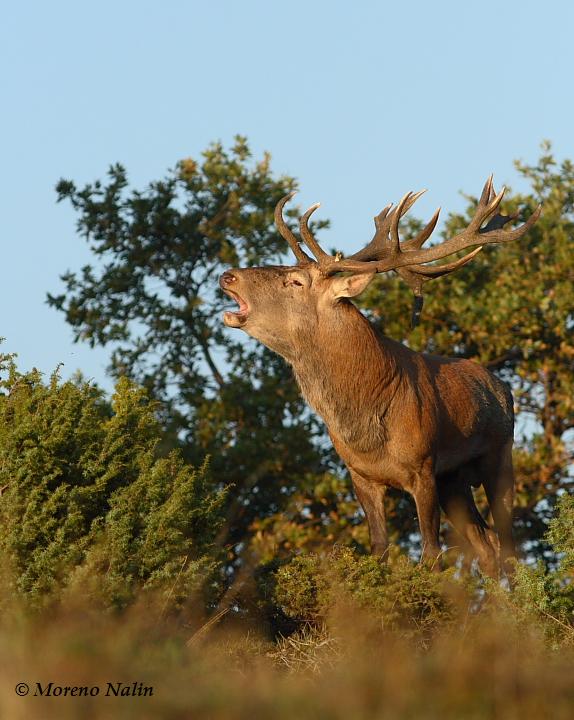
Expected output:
(433, 426)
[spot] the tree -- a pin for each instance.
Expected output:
(512, 309)
(153, 297)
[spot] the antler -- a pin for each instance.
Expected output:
(386, 251)
(285, 231)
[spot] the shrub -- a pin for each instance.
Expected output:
(88, 496)
(399, 594)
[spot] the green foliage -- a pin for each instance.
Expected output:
(153, 296)
(315, 591)
(86, 495)
(546, 597)
(399, 593)
(511, 309)
(98, 511)
(561, 532)
(153, 292)
(322, 511)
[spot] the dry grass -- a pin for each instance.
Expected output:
(348, 668)
(309, 650)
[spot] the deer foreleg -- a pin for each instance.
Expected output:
(372, 498)
(428, 511)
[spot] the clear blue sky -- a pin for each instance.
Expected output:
(360, 101)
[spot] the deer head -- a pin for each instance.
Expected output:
(278, 304)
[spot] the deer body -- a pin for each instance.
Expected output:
(420, 423)
(387, 407)
(432, 426)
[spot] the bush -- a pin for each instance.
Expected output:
(545, 598)
(313, 591)
(561, 532)
(87, 497)
(398, 594)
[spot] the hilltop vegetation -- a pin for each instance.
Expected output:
(195, 532)
(89, 504)
(151, 296)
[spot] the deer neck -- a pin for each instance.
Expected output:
(349, 375)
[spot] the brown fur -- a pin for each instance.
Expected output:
(430, 425)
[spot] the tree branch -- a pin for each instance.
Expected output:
(217, 376)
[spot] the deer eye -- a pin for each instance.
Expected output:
(292, 281)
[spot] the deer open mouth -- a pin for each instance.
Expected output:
(236, 318)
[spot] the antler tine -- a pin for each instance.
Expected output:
(379, 219)
(382, 244)
(418, 241)
(487, 191)
(498, 220)
(414, 197)
(400, 210)
(495, 201)
(379, 241)
(405, 204)
(434, 271)
(286, 232)
(310, 241)
(486, 210)
(525, 227)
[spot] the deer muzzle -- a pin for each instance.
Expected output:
(233, 318)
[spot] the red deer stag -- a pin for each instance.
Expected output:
(430, 425)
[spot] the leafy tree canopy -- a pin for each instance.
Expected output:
(512, 309)
(152, 296)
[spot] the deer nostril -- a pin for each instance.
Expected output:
(227, 278)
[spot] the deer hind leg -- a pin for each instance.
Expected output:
(428, 511)
(457, 501)
(372, 498)
(460, 545)
(497, 477)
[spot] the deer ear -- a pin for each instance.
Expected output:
(350, 285)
